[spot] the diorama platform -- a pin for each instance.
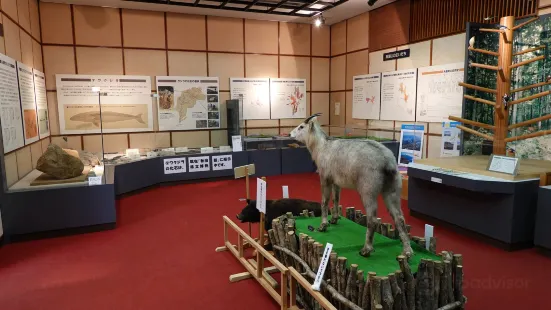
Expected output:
(496, 207)
(542, 236)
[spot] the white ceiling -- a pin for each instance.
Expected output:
(344, 11)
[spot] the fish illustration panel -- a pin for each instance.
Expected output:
(288, 98)
(366, 96)
(398, 95)
(188, 102)
(125, 103)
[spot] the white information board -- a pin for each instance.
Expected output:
(188, 102)
(366, 96)
(174, 165)
(199, 163)
(288, 98)
(398, 94)
(438, 92)
(222, 162)
(125, 103)
(256, 96)
(12, 125)
(28, 103)
(41, 104)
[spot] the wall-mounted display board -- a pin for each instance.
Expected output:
(41, 104)
(366, 96)
(438, 92)
(188, 102)
(125, 103)
(28, 103)
(12, 126)
(256, 96)
(398, 94)
(288, 98)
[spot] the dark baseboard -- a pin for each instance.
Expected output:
(61, 232)
(510, 247)
(544, 251)
(2, 241)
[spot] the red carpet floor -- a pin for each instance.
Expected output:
(161, 256)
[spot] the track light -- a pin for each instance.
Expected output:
(371, 2)
(319, 20)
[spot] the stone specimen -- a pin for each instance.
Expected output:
(59, 164)
(88, 158)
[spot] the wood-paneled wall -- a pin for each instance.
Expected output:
(389, 25)
(436, 18)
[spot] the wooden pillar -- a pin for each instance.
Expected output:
(501, 115)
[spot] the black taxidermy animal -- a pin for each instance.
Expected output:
(275, 209)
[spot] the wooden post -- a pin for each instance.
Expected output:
(247, 191)
(501, 115)
(259, 257)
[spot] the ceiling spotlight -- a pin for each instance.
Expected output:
(319, 20)
(371, 2)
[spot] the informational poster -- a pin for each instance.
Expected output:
(41, 104)
(438, 92)
(411, 144)
(12, 125)
(256, 96)
(28, 103)
(188, 102)
(174, 165)
(288, 98)
(366, 96)
(222, 162)
(398, 94)
(199, 163)
(451, 139)
(125, 103)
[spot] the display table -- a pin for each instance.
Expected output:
(500, 211)
(542, 237)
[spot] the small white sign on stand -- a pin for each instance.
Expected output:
(503, 164)
(285, 191)
(94, 180)
(236, 143)
(261, 195)
(323, 265)
(429, 233)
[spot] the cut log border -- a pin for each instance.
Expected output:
(436, 284)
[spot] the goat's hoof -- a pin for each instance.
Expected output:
(323, 227)
(334, 220)
(408, 253)
(366, 252)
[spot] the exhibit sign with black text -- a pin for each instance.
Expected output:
(396, 55)
(188, 102)
(398, 95)
(451, 139)
(12, 125)
(174, 165)
(366, 96)
(288, 98)
(41, 104)
(256, 96)
(411, 144)
(222, 162)
(28, 102)
(104, 103)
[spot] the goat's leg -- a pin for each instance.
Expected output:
(325, 198)
(391, 197)
(336, 201)
(370, 205)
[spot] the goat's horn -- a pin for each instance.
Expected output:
(311, 117)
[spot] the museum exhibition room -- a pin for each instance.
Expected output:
(275, 154)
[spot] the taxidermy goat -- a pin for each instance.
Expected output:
(367, 166)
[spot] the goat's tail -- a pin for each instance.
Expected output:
(392, 178)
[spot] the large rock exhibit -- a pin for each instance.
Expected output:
(59, 164)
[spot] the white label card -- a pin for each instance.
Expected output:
(285, 191)
(94, 180)
(436, 180)
(174, 165)
(133, 153)
(151, 154)
(207, 150)
(261, 195)
(323, 265)
(222, 162)
(429, 233)
(199, 163)
(236, 143)
(503, 164)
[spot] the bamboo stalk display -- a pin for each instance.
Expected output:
(504, 66)
(435, 285)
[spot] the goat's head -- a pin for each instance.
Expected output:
(301, 132)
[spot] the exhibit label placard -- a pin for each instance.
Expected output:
(261, 195)
(12, 126)
(222, 162)
(503, 164)
(237, 145)
(256, 96)
(438, 92)
(451, 139)
(396, 55)
(125, 103)
(174, 165)
(322, 267)
(288, 98)
(28, 102)
(199, 163)
(366, 96)
(398, 94)
(41, 104)
(188, 102)
(411, 143)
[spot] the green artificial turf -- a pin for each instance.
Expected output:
(348, 239)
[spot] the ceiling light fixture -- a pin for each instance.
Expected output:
(371, 2)
(319, 20)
